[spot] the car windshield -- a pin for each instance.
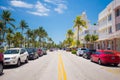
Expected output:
(12, 52)
(83, 49)
(29, 50)
(92, 50)
(108, 52)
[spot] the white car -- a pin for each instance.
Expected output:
(80, 51)
(15, 56)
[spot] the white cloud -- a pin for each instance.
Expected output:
(41, 10)
(60, 5)
(60, 8)
(54, 1)
(18, 3)
(38, 13)
(6, 8)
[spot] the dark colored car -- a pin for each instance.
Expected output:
(106, 57)
(32, 53)
(39, 51)
(1, 63)
(88, 52)
(51, 49)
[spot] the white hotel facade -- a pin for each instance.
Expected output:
(109, 27)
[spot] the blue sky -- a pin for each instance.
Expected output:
(56, 16)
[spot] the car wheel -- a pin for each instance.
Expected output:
(18, 63)
(85, 56)
(26, 61)
(91, 59)
(99, 62)
(115, 65)
(1, 68)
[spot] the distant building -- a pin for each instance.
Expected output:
(91, 29)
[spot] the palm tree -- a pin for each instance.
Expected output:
(9, 36)
(23, 25)
(79, 24)
(70, 36)
(6, 19)
(70, 33)
(28, 34)
(17, 39)
(87, 38)
(94, 38)
(1, 31)
(42, 34)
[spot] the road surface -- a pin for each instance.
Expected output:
(61, 65)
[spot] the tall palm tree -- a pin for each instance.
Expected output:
(42, 34)
(23, 25)
(79, 24)
(9, 38)
(1, 31)
(28, 34)
(6, 19)
(70, 36)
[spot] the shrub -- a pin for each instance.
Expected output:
(73, 51)
(1, 50)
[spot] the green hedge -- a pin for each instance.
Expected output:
(73, 52)
(1, 50)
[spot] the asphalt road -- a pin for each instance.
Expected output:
(61, 65)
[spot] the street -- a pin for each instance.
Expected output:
(61, 65)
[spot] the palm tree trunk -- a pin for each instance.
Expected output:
(4, 31)
(78, 36)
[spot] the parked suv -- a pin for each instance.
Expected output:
(1, 63)
(15, 56)
(80, 51)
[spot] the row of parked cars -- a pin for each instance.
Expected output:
(16, 56)
(100, 56)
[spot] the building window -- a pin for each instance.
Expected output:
(110, 30)
(110, 17)
(117, 26)
(86, 31)
(117, 12)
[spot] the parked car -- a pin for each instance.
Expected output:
(15, 56)
(44, 51)
(1, 63)
(39, 51)
(105, 57)
(88, 52)
(68, 49)
(80, 51)
(32, 53)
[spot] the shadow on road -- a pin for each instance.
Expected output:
(13, 66)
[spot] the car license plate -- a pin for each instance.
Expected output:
(113, 57)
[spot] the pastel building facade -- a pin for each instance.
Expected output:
(109, 27)
(91, 29)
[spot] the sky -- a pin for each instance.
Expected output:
(55, 16)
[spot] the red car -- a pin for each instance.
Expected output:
(105, 57)
(40, 52)
(1, 63)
